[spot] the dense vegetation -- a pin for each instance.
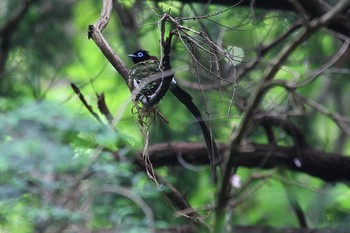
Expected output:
(272, 81)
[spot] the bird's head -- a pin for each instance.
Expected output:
(140, 56)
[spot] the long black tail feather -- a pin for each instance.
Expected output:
(213, 152)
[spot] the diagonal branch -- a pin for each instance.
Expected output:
(95, 32)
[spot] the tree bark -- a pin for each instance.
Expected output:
(326, 166)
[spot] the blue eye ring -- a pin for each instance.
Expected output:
(140, 54)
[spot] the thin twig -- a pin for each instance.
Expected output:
(338, 119)
(315, 74)
(85, 103)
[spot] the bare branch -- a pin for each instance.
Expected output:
(85, 103)
(95, 32)
(311, 77)
(314, 8)
(341, 121)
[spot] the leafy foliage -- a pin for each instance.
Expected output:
(63, 171)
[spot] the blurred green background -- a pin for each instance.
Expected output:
(57, 166)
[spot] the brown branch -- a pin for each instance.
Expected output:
(95, 32)
(326, 166)
(341, 121)
(102, 106)
(288, 127)
(170, 193)
(85, 103)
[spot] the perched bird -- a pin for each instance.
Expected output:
(147, 65)
(145, 77)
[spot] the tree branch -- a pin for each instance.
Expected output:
(326, 166)
(314, 8)
(257, 96)
(95, 32)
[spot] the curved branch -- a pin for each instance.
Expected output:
(95, 32)
(291, 129)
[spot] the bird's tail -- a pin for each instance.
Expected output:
(213, 152)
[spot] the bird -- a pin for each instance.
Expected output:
(145, 77)
(143, 59)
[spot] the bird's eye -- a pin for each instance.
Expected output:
(140, 54)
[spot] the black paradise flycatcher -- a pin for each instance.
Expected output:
(146, 77)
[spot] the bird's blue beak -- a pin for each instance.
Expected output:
(132, 55)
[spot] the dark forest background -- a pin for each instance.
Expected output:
(270, 77)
